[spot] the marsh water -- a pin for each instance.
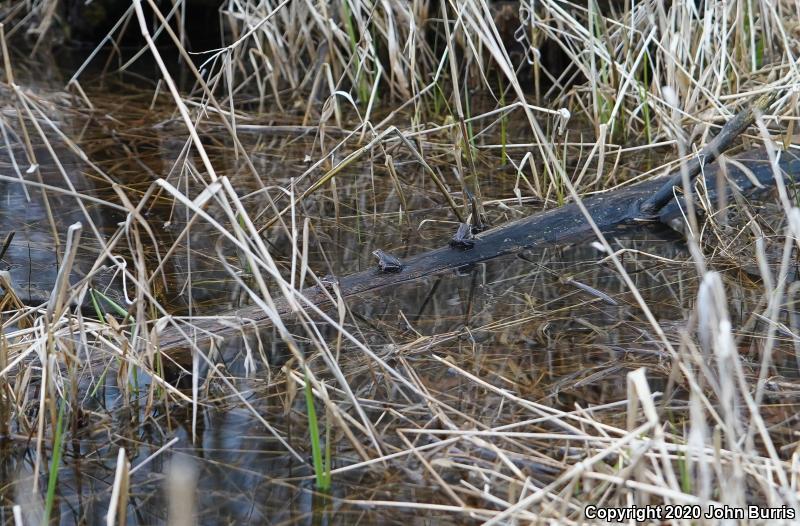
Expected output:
(555, 326)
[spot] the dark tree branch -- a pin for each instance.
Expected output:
(732, 129)
(611, 211)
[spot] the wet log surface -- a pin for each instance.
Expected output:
(612, 211)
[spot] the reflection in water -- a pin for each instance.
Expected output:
(531, 327)
(39, 204)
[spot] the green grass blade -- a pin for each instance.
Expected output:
(313, 431)
(54, 463)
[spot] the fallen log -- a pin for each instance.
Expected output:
(612, 211)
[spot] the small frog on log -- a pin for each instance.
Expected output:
(464, 237)
(387, 262)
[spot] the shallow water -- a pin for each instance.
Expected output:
(551, 326)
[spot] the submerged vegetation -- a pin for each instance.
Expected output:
(159, 181)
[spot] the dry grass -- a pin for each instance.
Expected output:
(322, 130)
